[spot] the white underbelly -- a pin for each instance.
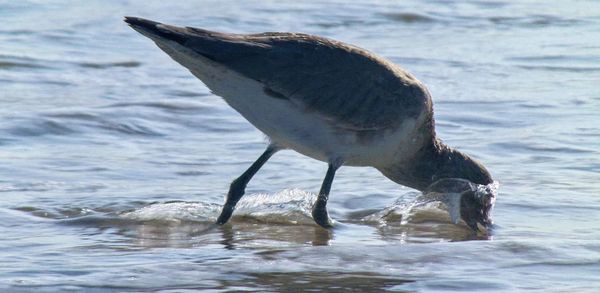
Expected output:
(289, 126)
(310, 134)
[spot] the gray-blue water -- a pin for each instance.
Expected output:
(114, 159)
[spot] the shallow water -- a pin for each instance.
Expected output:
(114, 159)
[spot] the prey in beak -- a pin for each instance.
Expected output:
(473, 203)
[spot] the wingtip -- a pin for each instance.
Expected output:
(140, 22)
(155, 30)
(128, 19)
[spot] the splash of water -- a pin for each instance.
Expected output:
(290, 206)
(446, 194)
(293, 206)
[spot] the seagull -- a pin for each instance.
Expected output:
(328, 100)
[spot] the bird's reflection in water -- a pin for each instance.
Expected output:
(423, 227)
(232, 236)
(156, 234)
(428, 232)
(322, 237)
(227, 238)
(264, 235)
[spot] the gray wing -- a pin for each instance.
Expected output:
(338, 81)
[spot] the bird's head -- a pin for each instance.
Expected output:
(455, 164)
(459, 173)
(466, 200)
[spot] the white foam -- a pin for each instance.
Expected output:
(290, 206)
(415, 203)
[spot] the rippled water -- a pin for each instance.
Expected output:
(114, 160)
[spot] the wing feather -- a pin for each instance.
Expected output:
(340, 82)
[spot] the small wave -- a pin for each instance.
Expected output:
(490, 4)
(534, 105)
(40, 127)
(413, 208)
(533, 20)
(469, 20)
(175, 212)
(344, 23)
(398, 211)
(56, 124)
(37, 82)
(192, 173)
(48, 186)
(566, 63)
(59, 125)
(74, 115)
(474, 120)
(90, 119)
(17, 32)
(20, 187)
(435, 62)
(13, 65)
(187, 94)
(443, 198)
(555, 58)
(169, 106)
(9, 61)
(129, 128)
(285, 207)
(577, 69)
(408, 17)
(538, 149)
(56, 214)
(109, 64)
(425, 216)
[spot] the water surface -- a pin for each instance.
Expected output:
(114, 159)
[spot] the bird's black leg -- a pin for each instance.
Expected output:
(319, 211)
(238, 186)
